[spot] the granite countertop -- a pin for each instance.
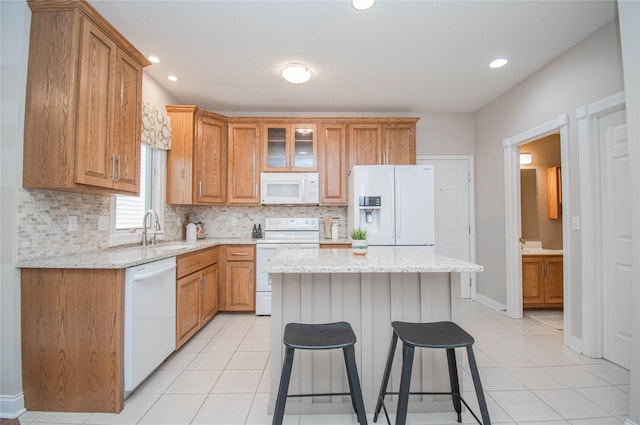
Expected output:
(121, 258)
(379, 259)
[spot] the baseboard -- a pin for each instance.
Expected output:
(574, 343)
(11, 406)
(491, 303)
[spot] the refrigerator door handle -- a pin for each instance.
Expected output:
(398, 201)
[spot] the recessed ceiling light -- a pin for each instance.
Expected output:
(498, 63)
(296, 73)
(362, 4)
(153, 59)
(172, 78)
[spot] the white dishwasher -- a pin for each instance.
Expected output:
(149, 319)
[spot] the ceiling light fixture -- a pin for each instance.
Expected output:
(296, 73)
(526, 158)
(498, 63)
(172, 78)
(362, 4)
(153, 59)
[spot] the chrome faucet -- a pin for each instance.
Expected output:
(155, 221)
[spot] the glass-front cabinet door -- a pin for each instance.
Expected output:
(289, 147)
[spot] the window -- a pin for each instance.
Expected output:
(127, 211)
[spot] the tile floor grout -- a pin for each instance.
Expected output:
(221, 376)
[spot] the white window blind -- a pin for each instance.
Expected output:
(130, 209)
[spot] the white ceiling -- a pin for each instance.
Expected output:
(403, 57)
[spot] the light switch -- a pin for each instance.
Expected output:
(103, 222)
(73, 223)
(575, 223)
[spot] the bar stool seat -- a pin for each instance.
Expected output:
(324, 336)
(443, 335)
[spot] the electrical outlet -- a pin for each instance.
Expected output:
(103, 222)
(179, 221)
(73, 223)
(575, 223)
(234, 221)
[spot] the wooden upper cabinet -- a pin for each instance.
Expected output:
(365, 141)
(386, 141)
(244, 171)
(83, 102)
(332, 164)
(289, 147)
(399, 144)
(197, 161)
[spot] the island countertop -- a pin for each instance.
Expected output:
(379, 259)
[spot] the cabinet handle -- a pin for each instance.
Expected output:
(242, 254)
(255, 193)
(118, 168)
(113, 167)
(202, 285)
(200, 188)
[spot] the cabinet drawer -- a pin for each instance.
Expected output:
(192, 262)
(240, 253)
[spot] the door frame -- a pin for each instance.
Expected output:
(472, 209)
(589, 144)
(511, 147)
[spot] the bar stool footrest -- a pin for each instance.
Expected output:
(318, 395)
(386, 413)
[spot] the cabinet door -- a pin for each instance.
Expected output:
(210, 161)
(95, 158)
(332, 160)
(187, 303)
(399, 144)
(275, 149)
(364, 144)
(244, 171)
(208, 293)
(128, 119)
(303, 147)
(553, 291)
(532, 285)
(240, 286)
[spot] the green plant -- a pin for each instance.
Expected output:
(359, 234)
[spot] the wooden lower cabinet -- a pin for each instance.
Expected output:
(73, 339)
(239, 279)
(542, 284)
(196, 292)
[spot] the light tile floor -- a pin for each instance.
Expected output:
(222, 377)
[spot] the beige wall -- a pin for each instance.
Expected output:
(545, 153)
(589, 71)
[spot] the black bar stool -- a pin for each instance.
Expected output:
(445, 335)
(325, 336)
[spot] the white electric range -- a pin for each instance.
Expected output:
(279, 234)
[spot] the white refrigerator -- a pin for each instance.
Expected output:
(394, 203)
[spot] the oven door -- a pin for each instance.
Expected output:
(264, 252)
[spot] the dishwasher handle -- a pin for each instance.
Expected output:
(153, 273)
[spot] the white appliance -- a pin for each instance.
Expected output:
(149, 319)
(394, 203)
(279, 234)
(289, 188)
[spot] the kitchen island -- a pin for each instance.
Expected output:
(390, 283)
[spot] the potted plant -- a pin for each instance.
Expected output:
(359, 243)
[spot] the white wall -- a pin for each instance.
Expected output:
(15, 18)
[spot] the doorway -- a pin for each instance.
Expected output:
(513, 224)
(541, 230)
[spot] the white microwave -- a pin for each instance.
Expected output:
(289, 188)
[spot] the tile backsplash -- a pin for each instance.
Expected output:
(43, 221)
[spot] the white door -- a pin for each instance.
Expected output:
(616, 243)
(453, 223)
